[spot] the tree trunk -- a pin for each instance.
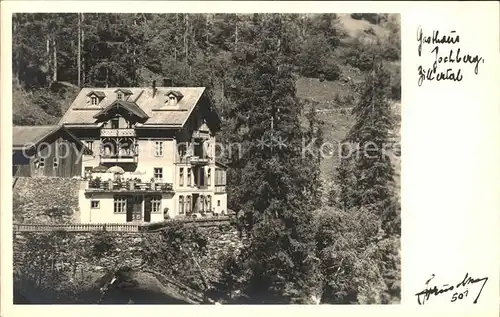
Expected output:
(83, 58)
(175, 37)
(79, 48)
(54, 77)
(48, 61)
(236, 36)
(186, 29)
(107, 77)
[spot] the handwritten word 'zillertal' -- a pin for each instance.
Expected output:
(448, 59)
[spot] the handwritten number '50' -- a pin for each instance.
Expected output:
(459, 296)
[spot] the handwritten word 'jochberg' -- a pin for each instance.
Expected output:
(448, 58)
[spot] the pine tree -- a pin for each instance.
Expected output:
(366, 177)
(276, 185)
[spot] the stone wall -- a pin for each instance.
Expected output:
(46, 200)
(74, 252)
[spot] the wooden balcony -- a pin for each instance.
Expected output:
(199, 161)
(118, 133)
(204, 135)
(113, 158)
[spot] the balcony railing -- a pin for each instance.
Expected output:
(118, 132)
(116, 158)
(201, 135)
(220, 188)
(196, 160)
(98, 185)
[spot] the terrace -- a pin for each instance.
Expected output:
(135, 185)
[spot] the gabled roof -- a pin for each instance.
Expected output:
(127, 105)
(124, 90)
(98, 93)
(25, 137)
(82, 114)
(176, 93)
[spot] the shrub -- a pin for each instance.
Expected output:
(357, 16)
(331, 71)
(103, 243)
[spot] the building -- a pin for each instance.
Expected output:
(153, 154)
(46, 151)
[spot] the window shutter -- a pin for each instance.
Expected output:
(129, 207)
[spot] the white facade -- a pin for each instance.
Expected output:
(144, 174)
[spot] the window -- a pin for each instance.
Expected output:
(56, 162)
(181, 176)
(94, 204)
(158, 148)
(119, 96)
(218, 203)
(158, 172)
(189, 177)
(182, 150)
(209, 203)
(94, 101)
(195, 175)
(120, 203)
(90, 145)
(156, 203)
(172, 100)
(202, 176)
(202, 203)
(114, 123)
(181, 205)
(188, 204)
(41, 162)
(209, 177)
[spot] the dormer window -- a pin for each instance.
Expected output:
(95, 97)
(172, 100)
(122, 93)
(173, 97)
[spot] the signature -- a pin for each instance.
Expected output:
(460, 291)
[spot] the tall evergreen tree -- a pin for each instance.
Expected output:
(366, 177)
(276, 186)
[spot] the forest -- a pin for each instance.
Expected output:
(332, 233)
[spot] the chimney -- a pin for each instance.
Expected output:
(154, 88)
(168, 82)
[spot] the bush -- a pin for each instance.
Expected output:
(102, 245)
(357, 16)
(331, 71)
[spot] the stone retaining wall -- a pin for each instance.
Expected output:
(46, 200)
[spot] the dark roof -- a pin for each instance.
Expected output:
(99, 94)
(125, 91)
(127, 105)
(24, 137)
(176, 93)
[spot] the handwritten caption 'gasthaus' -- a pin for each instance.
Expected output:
(448, 62)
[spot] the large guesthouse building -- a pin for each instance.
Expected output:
(150, 154)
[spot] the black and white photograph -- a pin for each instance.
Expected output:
(206, 158)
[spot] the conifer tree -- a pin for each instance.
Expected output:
(276, 184)
(366, 174)
(366, 177)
